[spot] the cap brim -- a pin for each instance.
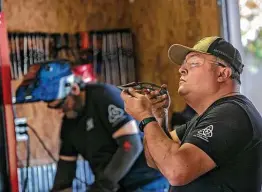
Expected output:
(177, 53)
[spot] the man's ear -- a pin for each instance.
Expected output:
(224, 74)
(75, 89)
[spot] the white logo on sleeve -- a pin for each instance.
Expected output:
(205, 133)
(115, 114)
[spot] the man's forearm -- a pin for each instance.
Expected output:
(149, 159)
(163, 122)
(64, 175)
(124, 158)
(161, 148)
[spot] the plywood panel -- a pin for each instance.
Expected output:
(159, 24)
(156, 25)
(46, 123)
(56, 16)
(65, 15)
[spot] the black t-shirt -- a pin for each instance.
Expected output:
(229, 132)
(90, 135)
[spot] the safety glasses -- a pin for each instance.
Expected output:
(198, 60)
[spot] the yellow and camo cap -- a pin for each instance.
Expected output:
(214, 45)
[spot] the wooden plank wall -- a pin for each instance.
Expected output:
(156, 25)
(159, 24)
(56, 16)
(65, 15)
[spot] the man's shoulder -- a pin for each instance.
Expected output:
(227, 111)
(233, 106)
(228, 105)
(102, 89)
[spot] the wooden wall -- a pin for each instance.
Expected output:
(159, 24)
(156, 25)
(65, 15)
(56, 16)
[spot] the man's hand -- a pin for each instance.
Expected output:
(136, 104)
(160, 104)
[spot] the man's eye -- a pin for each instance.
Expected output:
(193, 64)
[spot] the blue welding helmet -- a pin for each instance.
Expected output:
(47, 81)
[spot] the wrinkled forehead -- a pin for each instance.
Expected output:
(199, 55)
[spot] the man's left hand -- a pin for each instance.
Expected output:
(160, 103)
(136, 104)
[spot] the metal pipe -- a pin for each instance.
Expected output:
(4, 185)
(8, 159)
(4, 180)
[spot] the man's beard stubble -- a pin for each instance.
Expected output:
(77, 108)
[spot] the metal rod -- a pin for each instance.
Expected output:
(3, 144)
(4, 180)
(8, 159)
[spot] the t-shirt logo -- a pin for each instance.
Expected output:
(89, 124)
(205, 133)
(115, 114)
(127, 146)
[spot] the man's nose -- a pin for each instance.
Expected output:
(182, 70)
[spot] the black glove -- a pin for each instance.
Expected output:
(103, 185)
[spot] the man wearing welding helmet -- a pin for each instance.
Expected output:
(94, 126)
